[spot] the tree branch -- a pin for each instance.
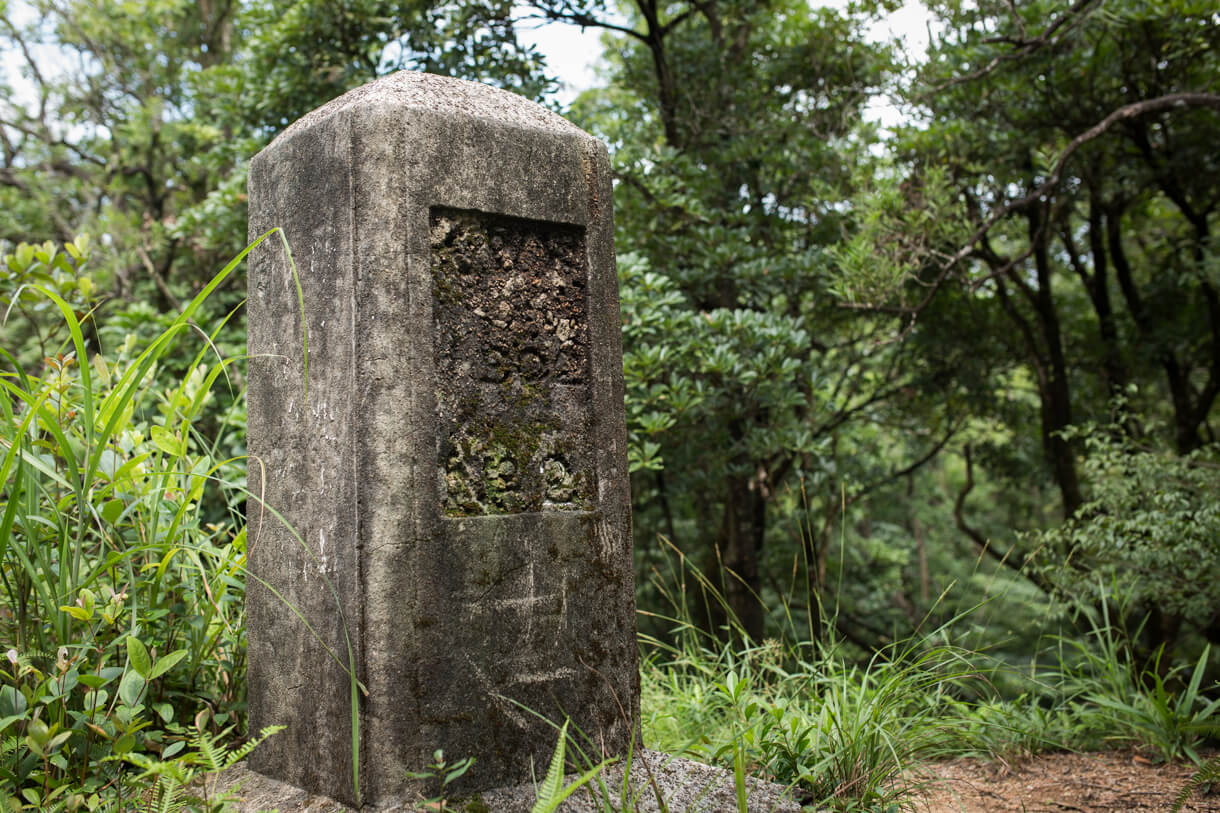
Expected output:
(904, 471)
(1025, 47)
(1125, 113)
(981, 542)
(586, 20)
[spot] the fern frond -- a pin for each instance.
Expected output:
(210, 754)
(548, 791)
(177, 770)
(167, 796)
(244, 751)
(1208, 774)
(552, 793)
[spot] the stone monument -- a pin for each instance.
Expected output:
(450, 453)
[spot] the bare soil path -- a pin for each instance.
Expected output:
(1096, 783)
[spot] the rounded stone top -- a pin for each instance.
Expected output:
(441, 94)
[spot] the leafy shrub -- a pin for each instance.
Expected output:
(31, 327)
(122, 606)
(1151, 530)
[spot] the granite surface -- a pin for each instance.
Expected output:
(684, 785)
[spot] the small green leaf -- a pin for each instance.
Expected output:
(167, 663)
(37, 731)
(58, 740)
(137, 653)
(112, 510)
(130, 688)
(12, 701)
(164, 439)
(96, 699)
(93, 681)
(102, 370)
(78, 613)
(165, 711)
(123, 744)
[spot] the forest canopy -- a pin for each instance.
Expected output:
(924, 337)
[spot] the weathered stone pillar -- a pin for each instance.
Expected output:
(456, 469)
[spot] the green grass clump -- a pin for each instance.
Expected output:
(802, 714)
(1158, 707)
(122, 553)
(840, 735)
(847, 733)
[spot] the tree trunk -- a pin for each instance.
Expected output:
(739, 546)
(1056, 391)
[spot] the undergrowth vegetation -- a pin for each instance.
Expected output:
(122, 548)
(850, 733)
(122, 575)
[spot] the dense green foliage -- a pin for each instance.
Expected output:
(122, 600)
(895, 397)
(736, 128)
(1063, 151)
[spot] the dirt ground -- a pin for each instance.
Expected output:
(1118, 781)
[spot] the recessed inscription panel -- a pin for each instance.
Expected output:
(511, 344)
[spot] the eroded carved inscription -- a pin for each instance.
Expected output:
(511, 344)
